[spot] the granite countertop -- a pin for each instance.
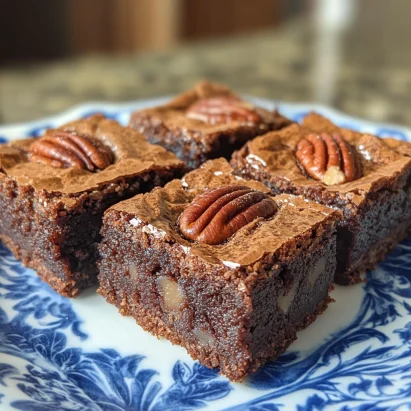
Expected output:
(281, 65)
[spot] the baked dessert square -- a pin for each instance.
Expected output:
(215, 264)
(54, 190)
(367, 178)
(209, 121)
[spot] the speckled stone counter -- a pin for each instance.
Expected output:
(280, 65)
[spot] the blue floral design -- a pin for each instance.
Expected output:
(39, 130)
(364, 366)
(60, 377)
(379, 370)
(299, 116)
(391, 132)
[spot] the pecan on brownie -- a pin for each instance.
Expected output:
(216, 264)
(366, 177)
(206, 122)
(54, 190)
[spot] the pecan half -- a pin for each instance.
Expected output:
(223, 109)
(214, 216)
(328, 158)
(68, 149)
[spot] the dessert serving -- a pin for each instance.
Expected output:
(365, 177)
(54, 190)
(218, 265)
(207, 122)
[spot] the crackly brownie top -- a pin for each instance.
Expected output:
(206, 111)
(81, 156)
(161, 211)
(300, 156)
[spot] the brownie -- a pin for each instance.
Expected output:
(233, 291)
(207, 122)
(54, 190)
(365, 177)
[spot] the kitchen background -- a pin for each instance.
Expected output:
(353, 55)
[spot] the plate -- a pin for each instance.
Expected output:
(80, 354)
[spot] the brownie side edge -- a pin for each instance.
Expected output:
(137, 268)
(367, 233)
(217, 315)
(193, 147)
(57, 235)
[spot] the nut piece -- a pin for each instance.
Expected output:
(285, 301)
(204, 337)
(171, 293)
(319, 268)
(214, 216)
(223, 109)
(63, 150)
(328, 158)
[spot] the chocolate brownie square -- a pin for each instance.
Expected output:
(207, 122)
(54, 190)
(215, 264)
(368, 179)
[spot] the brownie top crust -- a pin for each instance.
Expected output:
(158, 213)
(383, 163)
(173, 116)
(131, 155)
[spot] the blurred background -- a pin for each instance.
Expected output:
(352, 54)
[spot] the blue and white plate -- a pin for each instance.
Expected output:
(60, 354)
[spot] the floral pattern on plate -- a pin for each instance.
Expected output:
(61, 354)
